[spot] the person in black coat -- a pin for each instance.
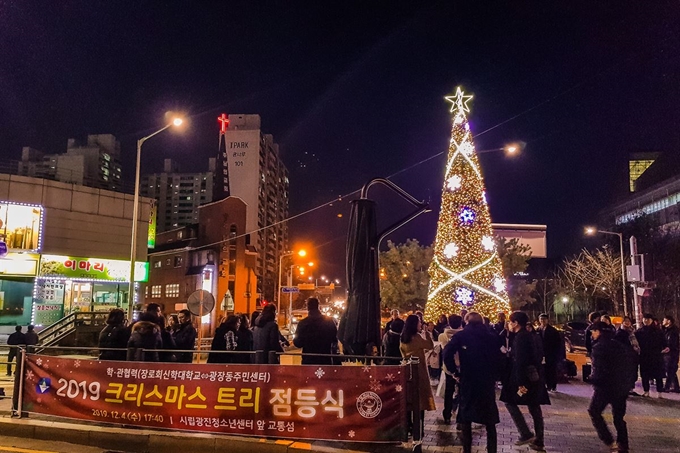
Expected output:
(168, 341)
(244, 341)
(219, 343)
(612, 379)
(672, 355)
(553, 351)
(593, 318)
(480, 360)
(115, 336)
(652, 343)
(390, 342)
(316, 334)
(185, 337)
(526, 386)
(144, 342)
(266, 336)
(15, 339)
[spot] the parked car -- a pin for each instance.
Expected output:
(574, 335)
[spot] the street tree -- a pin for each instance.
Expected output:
(403, 275)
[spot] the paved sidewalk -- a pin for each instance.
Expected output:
(653, 425)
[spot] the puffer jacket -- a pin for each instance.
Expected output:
(145, 335)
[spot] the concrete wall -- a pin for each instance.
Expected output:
(79, 220)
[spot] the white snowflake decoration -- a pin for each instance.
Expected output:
(499, 284)
(375, 385)
(366, 368)
(39, 362)
(464, 296)
(454, 183)
(29, 375)
(398, 388)
(76, 364)
(467, 148)
(389, 377)
(488, 243)
(351, 433)
(319, 373)
(450, 250)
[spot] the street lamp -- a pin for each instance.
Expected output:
(591, 231)
(278, 293)
(135, 213)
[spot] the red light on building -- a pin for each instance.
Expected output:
(224, 123)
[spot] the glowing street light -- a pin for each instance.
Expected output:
(135, 212)
(591, 231)
(302, 252)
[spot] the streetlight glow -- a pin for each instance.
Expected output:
(565, 299)
(590, 231)
(302, 252)
(177, 122)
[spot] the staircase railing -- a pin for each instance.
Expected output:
(52, 334)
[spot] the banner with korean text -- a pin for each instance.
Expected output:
(345, 403)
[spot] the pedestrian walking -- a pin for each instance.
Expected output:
(113, 338)
(553, 351)
(652, 343)
(612, 379)
(525, 386)
(185, 337)
(316, 334)
(412, 344)
(449, 372)
(390, 342)
(480, 359)
(15, 339)
(672, 354)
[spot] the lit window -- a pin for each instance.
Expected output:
(172, 290)
(156, 291)
(157, 264)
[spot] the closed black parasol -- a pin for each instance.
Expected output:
(359, 328)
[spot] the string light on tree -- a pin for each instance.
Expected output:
(473, 279)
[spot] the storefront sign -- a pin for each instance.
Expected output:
(153, 224)
(19, 264)
(91, 268)
(343, 403)
(21, 226)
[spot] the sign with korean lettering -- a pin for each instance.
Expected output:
(344, 403)
(91, 268)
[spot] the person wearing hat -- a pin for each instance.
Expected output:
(612, 379)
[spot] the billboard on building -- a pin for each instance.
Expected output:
(21, 226)
(75, 267)
(19, 264)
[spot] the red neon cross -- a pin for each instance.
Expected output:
(225, 123)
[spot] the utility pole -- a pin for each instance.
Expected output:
(637, 303)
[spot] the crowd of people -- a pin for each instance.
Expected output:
(154, 337)
(467, 358)
(19, 338)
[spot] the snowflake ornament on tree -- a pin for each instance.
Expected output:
(451, 250)
(469, 281)
(465, 296)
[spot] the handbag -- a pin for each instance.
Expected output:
(532, 374)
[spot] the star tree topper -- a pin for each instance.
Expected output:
(459, 101)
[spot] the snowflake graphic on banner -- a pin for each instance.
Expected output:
(319, 373)
(469, 280)
(351, 433)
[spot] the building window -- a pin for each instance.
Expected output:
(157, 264)
(172, 290)
(156, 291)
(178, 261)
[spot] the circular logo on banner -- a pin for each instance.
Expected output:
(369, 405)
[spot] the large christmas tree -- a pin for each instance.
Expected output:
(466, 269)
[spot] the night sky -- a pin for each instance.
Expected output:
(354, 90)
